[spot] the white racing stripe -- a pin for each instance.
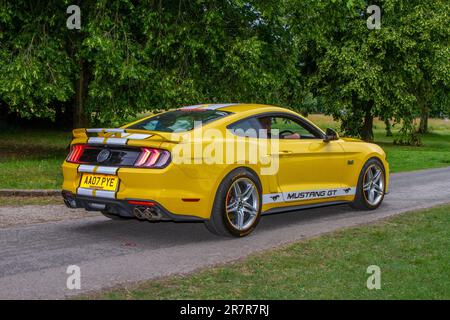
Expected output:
(111, 141)
(96, 140)
(107, 170)
(86, 168)
(105, 194)
(116, 141)
(303, 195)
(97, 169)
(136, 136)
(103, 130)
(209, 106)
(85, 192)
(96, 193)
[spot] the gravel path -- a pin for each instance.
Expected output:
(11, 216)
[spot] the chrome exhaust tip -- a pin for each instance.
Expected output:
(69, 200)
(155, 215)
(138, 213)
(146, 213)
(70, 203)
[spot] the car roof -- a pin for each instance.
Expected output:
(238, 111)
(242, 110)
(236, 107)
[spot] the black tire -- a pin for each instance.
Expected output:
(114, 216)
(219, 223)
(360, 202)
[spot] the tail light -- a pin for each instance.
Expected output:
(152, 158)
(76, 151)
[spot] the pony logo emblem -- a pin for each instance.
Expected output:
(103, 155)
(275, 197)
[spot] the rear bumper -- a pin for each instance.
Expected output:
(175, 191)
(122, 207)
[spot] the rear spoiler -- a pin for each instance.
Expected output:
(108, 132)
(117, 136)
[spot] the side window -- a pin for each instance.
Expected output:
(246, 128)
(288, 128)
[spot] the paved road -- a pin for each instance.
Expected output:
(34, 259)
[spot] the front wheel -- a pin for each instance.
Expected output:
(371, 186)
(237, 205)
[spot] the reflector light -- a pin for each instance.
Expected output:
(142, 203)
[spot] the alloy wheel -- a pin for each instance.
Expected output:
(242, 203)
(373, 184)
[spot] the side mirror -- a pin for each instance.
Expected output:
(330, 135)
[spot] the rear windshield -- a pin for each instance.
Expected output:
(179, 120)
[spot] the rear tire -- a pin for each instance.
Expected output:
(237, 205)
(371, 186)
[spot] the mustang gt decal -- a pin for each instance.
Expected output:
(307, 195)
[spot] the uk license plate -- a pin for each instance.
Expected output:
(99, 181)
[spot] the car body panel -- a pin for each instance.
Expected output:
(311, 172)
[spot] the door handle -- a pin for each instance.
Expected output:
(280, 153)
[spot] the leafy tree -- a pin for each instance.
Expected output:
(133, 56)
(35, 70)
(362, 73)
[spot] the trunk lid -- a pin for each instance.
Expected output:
(121, 147)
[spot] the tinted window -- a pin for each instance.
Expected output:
(246, 128)
(179, 120)
(288, 128)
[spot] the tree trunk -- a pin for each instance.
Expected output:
(79, 115)
(388, 127)
(64, 114)
(367, 128)
(3, 111)
(424, 93)
(423, 127)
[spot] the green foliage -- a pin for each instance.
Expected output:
(362, 73)
(35, 70)
(310, 55)
(408, 136)
(138, 56)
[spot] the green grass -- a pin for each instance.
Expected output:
(412, 251)
(31, 159)
(434, 153)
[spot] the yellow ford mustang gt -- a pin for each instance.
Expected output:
(224, 164)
